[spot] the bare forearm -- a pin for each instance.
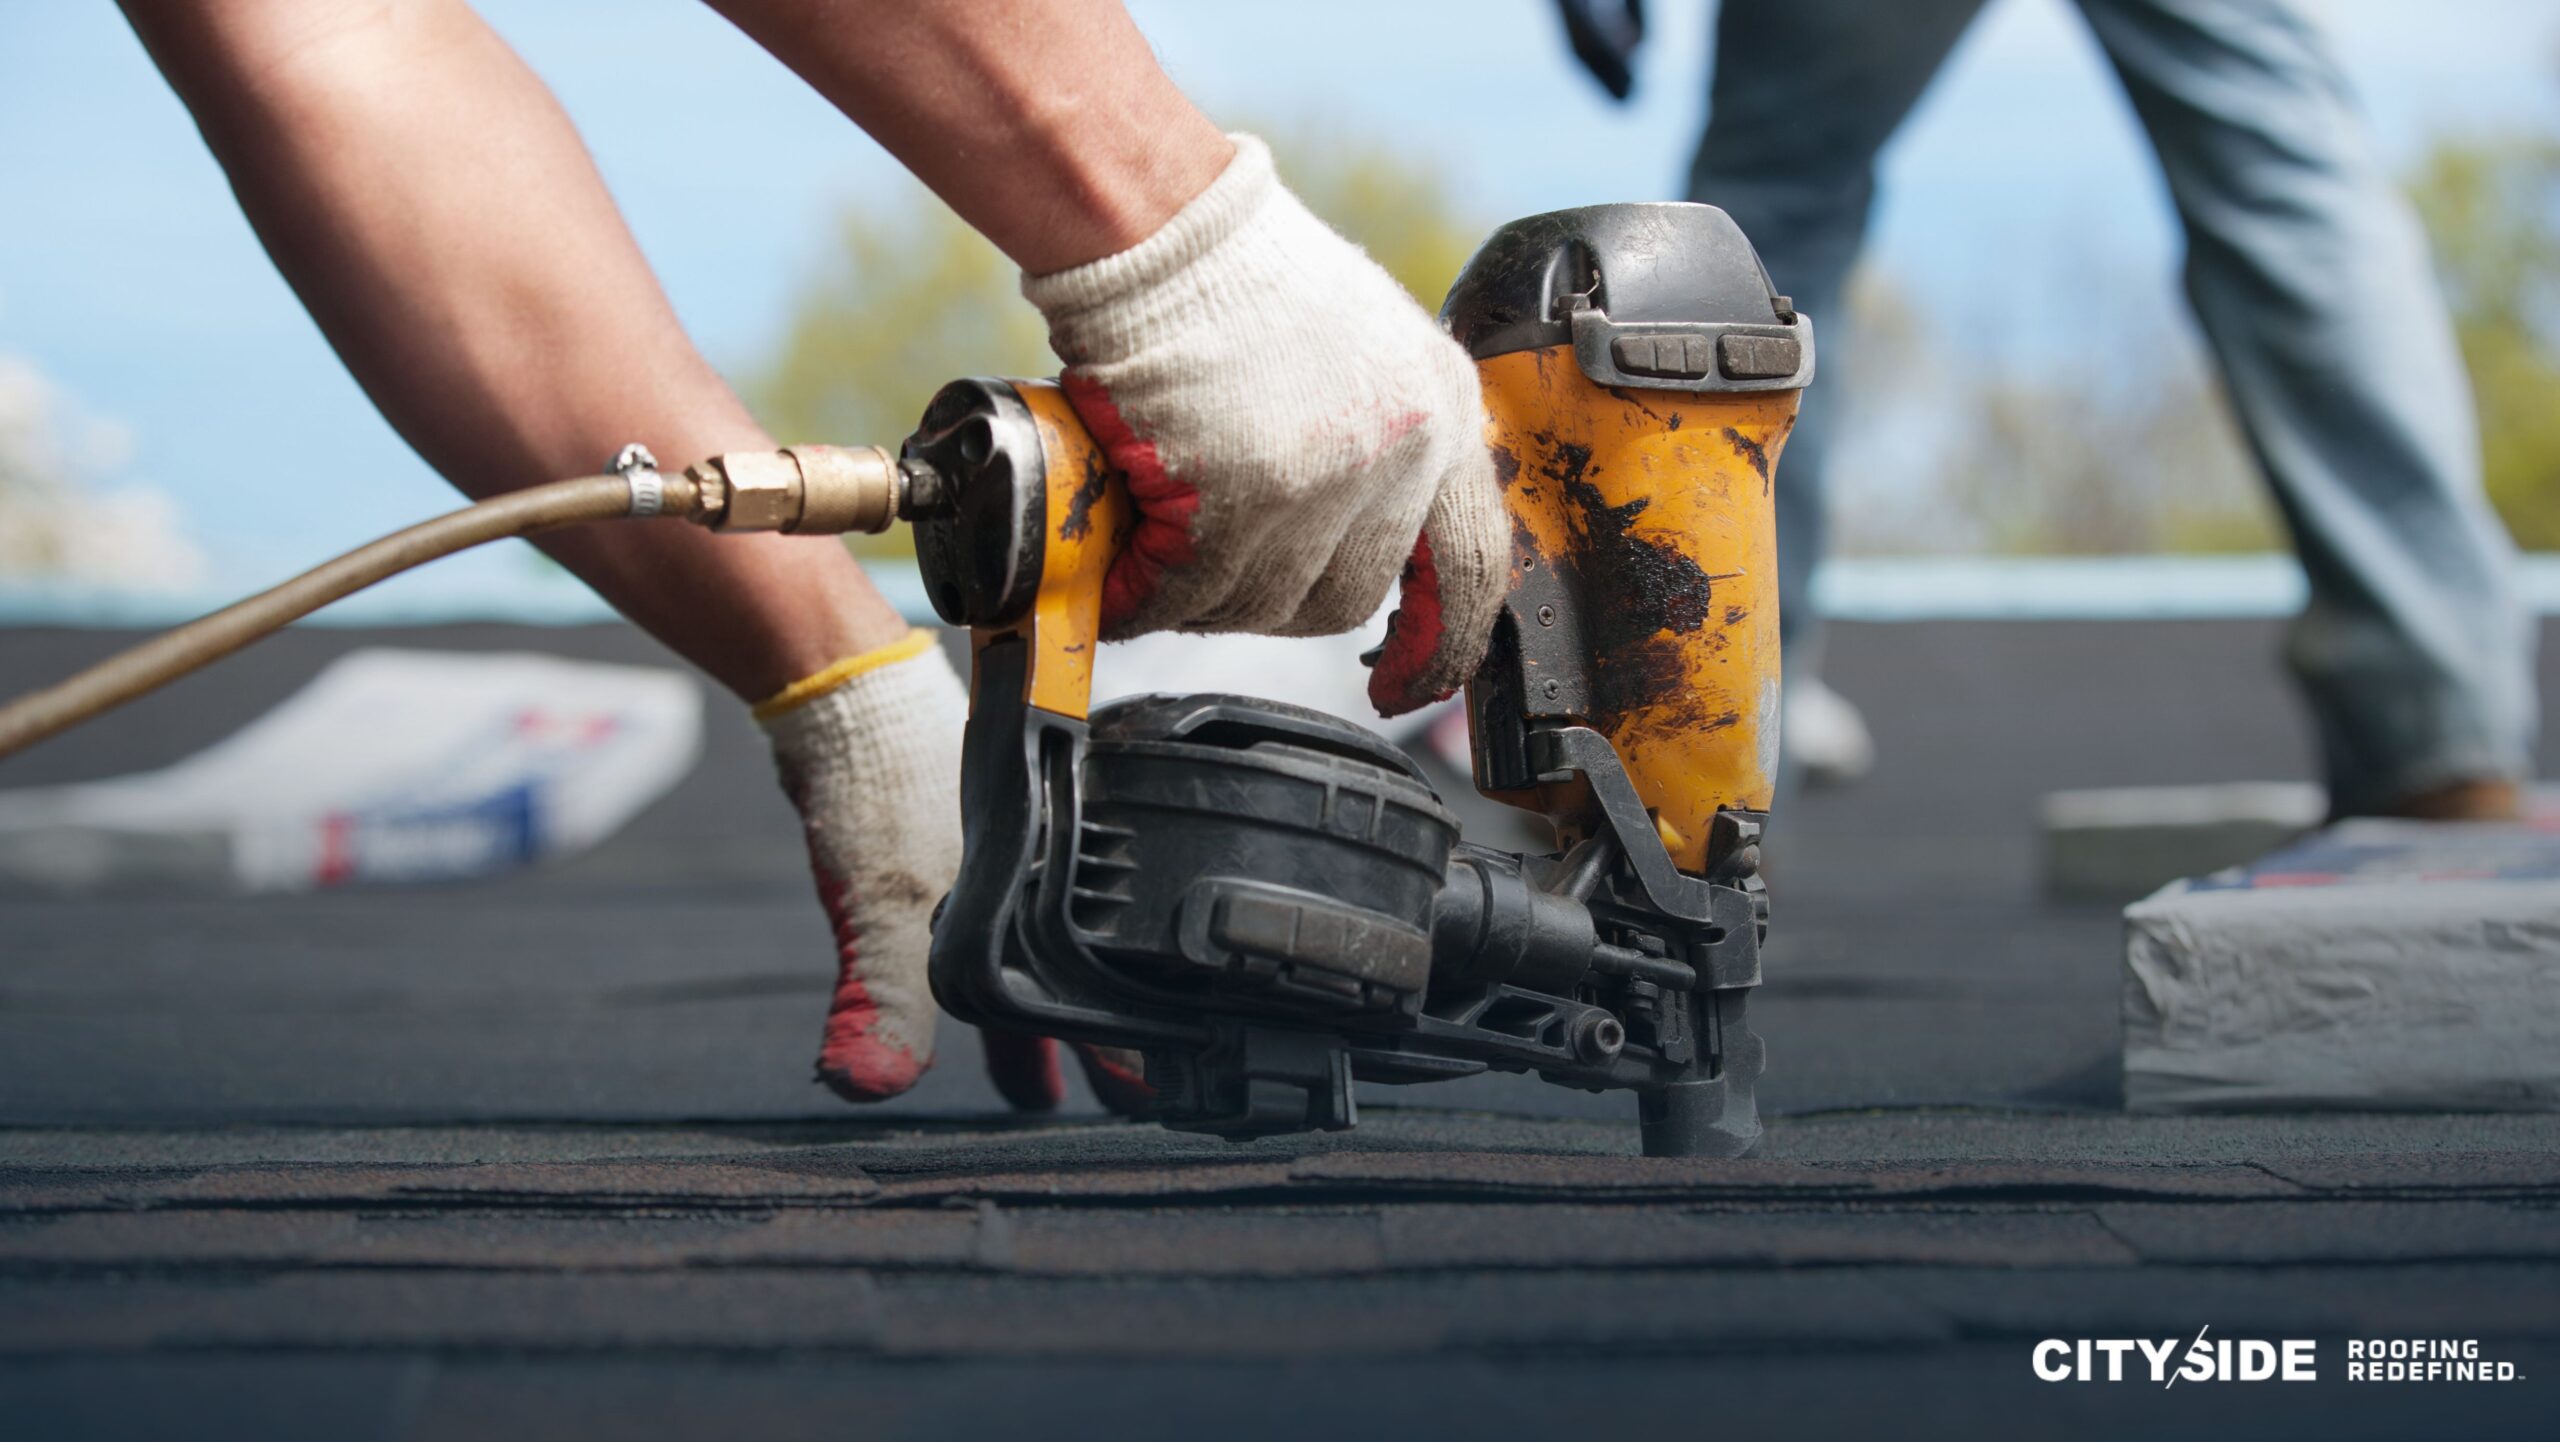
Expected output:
(434, 209)
(1046, 124)
(437, 214)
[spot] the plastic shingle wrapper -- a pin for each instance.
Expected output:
(2379, 965)
(390, 766)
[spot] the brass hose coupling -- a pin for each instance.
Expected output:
(802, 490)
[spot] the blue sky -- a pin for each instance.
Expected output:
(128, 277)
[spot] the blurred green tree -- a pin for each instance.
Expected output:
(2001, 441)
(2077, 465)
(2492, 208)
(908, 297)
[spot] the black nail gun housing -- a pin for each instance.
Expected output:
(1260, 855)
(1272, 903)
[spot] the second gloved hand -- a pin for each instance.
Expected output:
(869, 753)
(1296, 432)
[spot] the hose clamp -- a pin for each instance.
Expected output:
(639, 470)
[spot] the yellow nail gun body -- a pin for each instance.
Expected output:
(1272, 903)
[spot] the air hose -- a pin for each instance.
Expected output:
(803, 490)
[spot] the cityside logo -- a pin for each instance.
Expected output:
(2172, 1360)
(2207, 1358)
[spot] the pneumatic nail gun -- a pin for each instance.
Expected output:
(1271, 903)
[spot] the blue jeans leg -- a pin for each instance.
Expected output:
(2313, 285)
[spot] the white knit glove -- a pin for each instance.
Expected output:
(1295, 431)
(869, 752)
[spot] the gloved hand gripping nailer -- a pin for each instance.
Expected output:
(1270, 902)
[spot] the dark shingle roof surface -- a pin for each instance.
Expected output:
(538, 1156)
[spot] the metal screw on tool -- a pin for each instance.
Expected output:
(1553, 688)
(1546, 615)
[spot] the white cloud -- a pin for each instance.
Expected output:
(59, 521)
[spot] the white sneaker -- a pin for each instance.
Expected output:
(1825, 736)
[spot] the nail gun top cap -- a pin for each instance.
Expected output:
(1655, 295)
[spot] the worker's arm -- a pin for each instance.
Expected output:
(434, 209)
(1046, 124)
(1296, 430)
